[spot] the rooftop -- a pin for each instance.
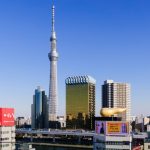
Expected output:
(80, 79)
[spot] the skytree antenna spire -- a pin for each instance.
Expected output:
(53, 16)
(53, 57)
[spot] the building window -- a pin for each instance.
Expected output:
(148, 146)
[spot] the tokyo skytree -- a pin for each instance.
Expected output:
(53, 57)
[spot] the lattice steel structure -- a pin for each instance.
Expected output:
(53, 57)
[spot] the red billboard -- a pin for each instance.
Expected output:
(7, 117)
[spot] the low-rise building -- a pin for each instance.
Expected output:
(7, 129)
(112, 135)
(111, 142)
(22, 122)
(62, 121)
(147, 140)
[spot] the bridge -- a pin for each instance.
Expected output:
(70, 137)
(79, 137)
(56, 132)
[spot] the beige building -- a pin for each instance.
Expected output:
(7, 129)
(117, 95)
(7, 138)
(112, 142)
(147, 140)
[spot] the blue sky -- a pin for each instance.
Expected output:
(102, 38)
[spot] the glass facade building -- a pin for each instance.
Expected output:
(80, 102)
(39, 110)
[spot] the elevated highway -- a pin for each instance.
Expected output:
(56, 132)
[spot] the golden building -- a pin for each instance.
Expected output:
(80, 102)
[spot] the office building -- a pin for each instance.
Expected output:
(147, 140)
(117, 95)
(62, 121)
(80, 102)
(23, 122)
(112, 135)
(39, 110)
(112, 142)
(7, 129)
(53, 57)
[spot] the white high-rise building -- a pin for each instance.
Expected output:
(117, 95)
(53, 57)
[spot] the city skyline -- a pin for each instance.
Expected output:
(107, 40)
